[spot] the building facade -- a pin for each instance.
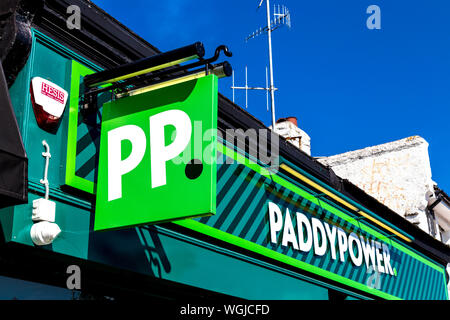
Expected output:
(283, 225)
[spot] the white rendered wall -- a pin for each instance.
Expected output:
(398, 174)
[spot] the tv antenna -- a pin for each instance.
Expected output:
(246, 88)
(281, 16)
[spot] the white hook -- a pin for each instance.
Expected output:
(47, 156)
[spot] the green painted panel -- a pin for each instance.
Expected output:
(50, 60)
(83, 137)
(53, 62)
(165, 254)
(209, 270)
(160, 133)
(7, 223)
(20, 97)
(57, 72)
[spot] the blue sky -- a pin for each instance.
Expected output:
(349, 87)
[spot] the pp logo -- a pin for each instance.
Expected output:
(139, 181)
(159, 155)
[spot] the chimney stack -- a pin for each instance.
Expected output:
(288, 129)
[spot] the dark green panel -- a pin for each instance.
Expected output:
(73, 221)
(49, 64)
(164, 254)
(51, 61)
(242, 211)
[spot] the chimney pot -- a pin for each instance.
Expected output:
(290, 119)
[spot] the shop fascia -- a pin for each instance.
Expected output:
(314, 234)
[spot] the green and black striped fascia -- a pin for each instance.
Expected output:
(241, 219)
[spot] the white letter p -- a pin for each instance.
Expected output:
(160, 153)
(118, 167)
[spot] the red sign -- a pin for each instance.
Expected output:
(52, 92)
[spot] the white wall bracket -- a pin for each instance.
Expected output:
(45, 230)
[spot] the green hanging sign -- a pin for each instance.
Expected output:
(157, 156)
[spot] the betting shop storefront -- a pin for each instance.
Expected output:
(102, 172)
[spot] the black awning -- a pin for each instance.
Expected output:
(13, 159)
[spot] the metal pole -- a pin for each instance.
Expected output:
(267, 91)
(269, 36)
(246, 89)
(233, 85)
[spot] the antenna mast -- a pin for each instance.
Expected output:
(269, 37)
(281, 17)
(266, 88)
